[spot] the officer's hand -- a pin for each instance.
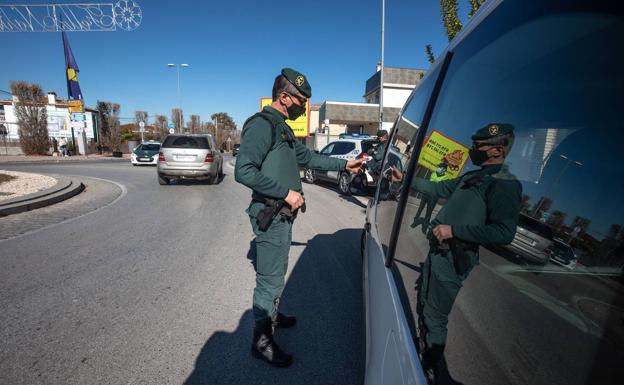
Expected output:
(396, 175)
(355, 166)
(442, 232)
(294, 200)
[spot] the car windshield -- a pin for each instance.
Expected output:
(199, 142)
(535, 226)
(150, 147)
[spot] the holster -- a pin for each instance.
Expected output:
(461, 257)
(265, 217)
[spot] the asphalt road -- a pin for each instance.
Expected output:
(155, 286)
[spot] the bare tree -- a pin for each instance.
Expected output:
(140, 116)
(177, 118)
(224, 125)
(32, 117)
(108, 116)
(160, 123)
(194, 124)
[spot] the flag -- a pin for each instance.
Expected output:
(73, 87)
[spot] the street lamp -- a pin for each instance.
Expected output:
(179, 104)
(563, 170)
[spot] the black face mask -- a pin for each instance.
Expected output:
(295, 111)
(478, 157)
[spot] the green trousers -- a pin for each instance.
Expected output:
(272, 248)
(440, 286)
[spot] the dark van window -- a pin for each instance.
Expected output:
(494, 295)
(150, 147)
(198, 142)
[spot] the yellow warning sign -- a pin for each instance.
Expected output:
(439, 149)
(300, 126)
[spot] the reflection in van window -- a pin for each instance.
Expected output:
(542, 303)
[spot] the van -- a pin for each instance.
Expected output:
(552, 70)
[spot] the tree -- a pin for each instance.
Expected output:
(140, 116)
(160, 123)
(450, 20)
(177, 118)
(32, 117)
(224, 127)
(452, 25)
(429, 52)
(108, 117)
(194, 124)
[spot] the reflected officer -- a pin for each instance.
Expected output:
(268, 162)
(482, 208)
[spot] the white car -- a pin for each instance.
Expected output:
(145, 153)
(349, 147)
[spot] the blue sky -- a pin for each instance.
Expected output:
(234, 48)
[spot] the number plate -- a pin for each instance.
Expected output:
(185, 157)
(145, 159)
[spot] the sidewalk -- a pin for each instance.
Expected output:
(59, 159)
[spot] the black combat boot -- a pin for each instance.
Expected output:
(264, 347)
(284, 321)
(435, 366)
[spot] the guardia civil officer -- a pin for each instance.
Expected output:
(268, 162)
(482, 208)
(382, 137)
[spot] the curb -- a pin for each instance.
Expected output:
(64, 188)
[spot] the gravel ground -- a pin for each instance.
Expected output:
(23, 184)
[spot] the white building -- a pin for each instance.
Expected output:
(59, 121)
(337, 118)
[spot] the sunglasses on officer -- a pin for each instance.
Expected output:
(302, 101)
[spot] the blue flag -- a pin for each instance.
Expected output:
(73, 87)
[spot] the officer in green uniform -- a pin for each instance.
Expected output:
(382, 136)
(482, 208)
(427, 201)
(268, 162)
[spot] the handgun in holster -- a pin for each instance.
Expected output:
(461, 257)
(273, 208)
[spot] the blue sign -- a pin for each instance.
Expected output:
(171, 125)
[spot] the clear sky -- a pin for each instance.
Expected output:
(234, 48)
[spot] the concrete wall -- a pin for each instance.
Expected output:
(396, 97)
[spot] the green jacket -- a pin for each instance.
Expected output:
(482, 206)
(270, 171)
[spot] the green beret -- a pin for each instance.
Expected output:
(493, 130)
(299, 81)
(382, 133)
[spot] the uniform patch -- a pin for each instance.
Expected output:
(493, 129)
(299, 81)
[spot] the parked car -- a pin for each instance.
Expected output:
(189, 156)
(532, 240)
(347, 147)
(554, 71)
(235, 149)
(562, 254)
(145, 153)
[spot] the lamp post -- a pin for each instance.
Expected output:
(381, 77)
(563, 170)
(179, 104)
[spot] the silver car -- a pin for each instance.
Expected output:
(189, 156)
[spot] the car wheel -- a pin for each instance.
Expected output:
(308, 175)
(344, 184)
(162, 180)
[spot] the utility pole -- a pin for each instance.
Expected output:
(381, 78)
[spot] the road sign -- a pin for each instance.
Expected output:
(141, 124)
(75, 106)
(77, 116)
(171, 125)
(171, 130)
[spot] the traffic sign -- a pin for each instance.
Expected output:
(141, 124)
(171, 131)
(77, 116)
(171, 125)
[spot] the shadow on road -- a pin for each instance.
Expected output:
(194, 182)
(324, 292)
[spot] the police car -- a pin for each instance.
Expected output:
(145, 153)
(348, 146)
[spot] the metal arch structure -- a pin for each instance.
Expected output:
(85, 17)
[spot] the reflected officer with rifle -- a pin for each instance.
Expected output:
(268, 163)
